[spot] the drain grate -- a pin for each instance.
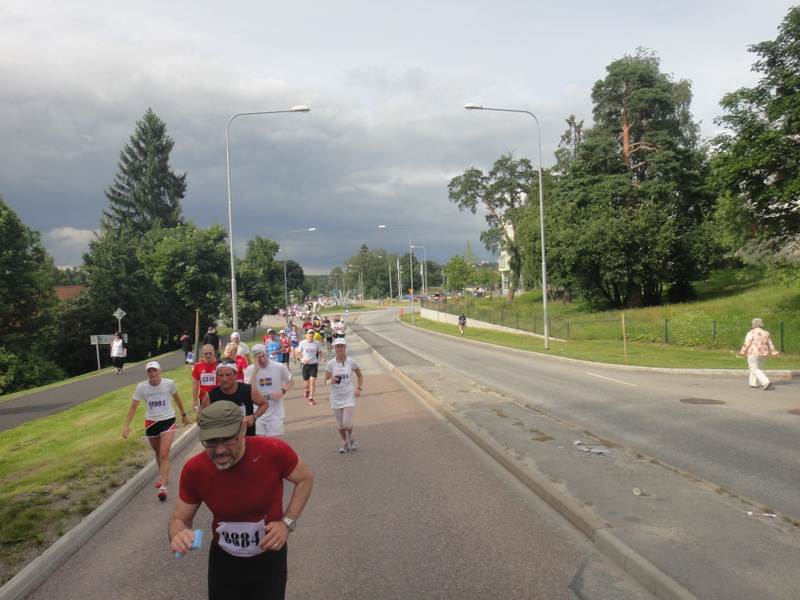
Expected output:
(701, 401)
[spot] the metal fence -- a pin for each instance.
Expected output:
(687, 330)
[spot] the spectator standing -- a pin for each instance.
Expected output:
(118, 352)
(159, 418)
(339, 375)
(186, 346)
(462, 322)
(212, 338)
(250, 528)
(757, 347)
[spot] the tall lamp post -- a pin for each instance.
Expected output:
(285, 284)
(424, 270)
(234, 311)
(390, 278)
(410, 264)
(360, 280)
(541, 211)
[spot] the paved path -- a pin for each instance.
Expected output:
(417, 512)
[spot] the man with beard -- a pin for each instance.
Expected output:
(245, 396)
(241, 481)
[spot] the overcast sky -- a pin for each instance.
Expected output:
(386, 84)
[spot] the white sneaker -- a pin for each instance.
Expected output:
(353, 444)
(345, 447)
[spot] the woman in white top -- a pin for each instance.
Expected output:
(159, 419)
(339, 375)
(118, 351)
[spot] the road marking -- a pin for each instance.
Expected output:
(614, 380)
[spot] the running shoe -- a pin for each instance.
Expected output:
(312, 402)
(307, 394)
(345, 447)
(353, 444)
(159, 483)
(162, 493)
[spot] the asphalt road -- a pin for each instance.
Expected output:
(417, 512)
(748, 443)
(690, 519)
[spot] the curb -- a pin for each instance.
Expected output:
(643, 571)
(32, 576)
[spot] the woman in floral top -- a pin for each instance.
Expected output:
(757, 346)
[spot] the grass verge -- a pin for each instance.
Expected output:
(57, 469)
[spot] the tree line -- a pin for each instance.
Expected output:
(637, 208)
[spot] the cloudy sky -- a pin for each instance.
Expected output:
(386, 84)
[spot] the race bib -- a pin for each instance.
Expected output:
(208, 379)
(241, 539)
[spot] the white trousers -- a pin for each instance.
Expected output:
(756, 364)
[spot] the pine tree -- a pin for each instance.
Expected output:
(146, 193)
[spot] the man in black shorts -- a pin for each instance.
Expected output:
(309, 352)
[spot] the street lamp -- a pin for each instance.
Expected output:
(410, 265)
(424, 270)
(360, 280)
(234, 311)
(390, 278)
(285, 285)
(472, 106)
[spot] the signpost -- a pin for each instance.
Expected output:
(119, 313)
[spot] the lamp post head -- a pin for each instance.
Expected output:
(301, 108)
(473, 106)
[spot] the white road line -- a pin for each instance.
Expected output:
(614, 380)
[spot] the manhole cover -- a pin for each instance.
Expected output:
(795, 411)
(701, 401)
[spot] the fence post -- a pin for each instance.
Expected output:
(715, 329)
(781, 336)
(666, 331)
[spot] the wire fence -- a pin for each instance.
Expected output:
(687, 330)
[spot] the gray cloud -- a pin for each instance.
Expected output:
(386, 86)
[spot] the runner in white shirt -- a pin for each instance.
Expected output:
(273, 380)
(159, 419)
(309, 352)
(339, 375)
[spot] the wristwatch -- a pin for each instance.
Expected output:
(290, 523)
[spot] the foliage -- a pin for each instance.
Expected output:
(628, 216)
(259, 282)
(190, 266)
(144, 208)
(756, 164)
(27, 306)
(459, 274)
(503, 194)
(146, 193)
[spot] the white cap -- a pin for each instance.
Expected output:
(340, 342)
(152, 365)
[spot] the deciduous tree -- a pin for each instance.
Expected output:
(757, 162)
